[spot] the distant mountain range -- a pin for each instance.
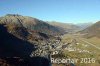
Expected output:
(92, 31)
(66, 27)
(84, 25)
(21, 26)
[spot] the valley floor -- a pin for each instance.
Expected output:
(75, 46)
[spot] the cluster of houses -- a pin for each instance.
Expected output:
(55, 47)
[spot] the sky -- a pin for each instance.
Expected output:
(67, 11)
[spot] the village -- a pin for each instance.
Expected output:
(56, 47)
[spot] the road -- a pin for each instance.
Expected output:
(90, 43)
(87, 42)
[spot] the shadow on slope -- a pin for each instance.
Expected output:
(12, 46)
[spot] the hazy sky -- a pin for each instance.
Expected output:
(73, 11)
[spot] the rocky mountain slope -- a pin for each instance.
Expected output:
(32, 24)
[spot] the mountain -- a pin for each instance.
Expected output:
(21, 33)
(29, 23)
(65, 27)
(15, 49)
(18, 34)
(84, 25)
(92, 31)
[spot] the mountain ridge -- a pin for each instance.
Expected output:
(93, 30)
(29, 23)
(65, 27)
